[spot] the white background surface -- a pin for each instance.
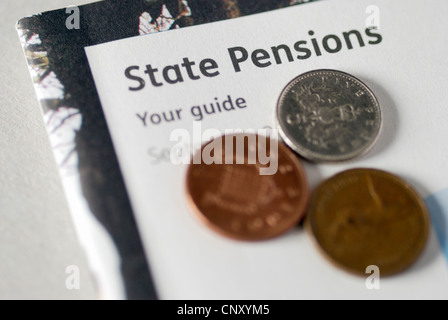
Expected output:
(37, 237)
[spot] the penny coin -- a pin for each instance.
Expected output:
(234, 197)
(368, 217)
(328, 115)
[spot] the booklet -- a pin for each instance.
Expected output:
(115, 93)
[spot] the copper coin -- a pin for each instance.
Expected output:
(368, 217)
(236, 200)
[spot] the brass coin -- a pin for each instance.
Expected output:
(236, 201)
(365, 217)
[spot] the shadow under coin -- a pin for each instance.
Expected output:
(390, 118)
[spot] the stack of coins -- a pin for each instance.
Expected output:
(358, 218)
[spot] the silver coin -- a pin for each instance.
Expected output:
(328, 115)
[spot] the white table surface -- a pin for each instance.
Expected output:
(37, 236)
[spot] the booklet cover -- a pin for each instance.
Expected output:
(54, 44)
(113, 101)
